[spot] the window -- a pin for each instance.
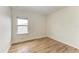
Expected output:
(22, 25)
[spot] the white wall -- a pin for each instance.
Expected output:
(63, 26)
(36, 26)
(5, 29)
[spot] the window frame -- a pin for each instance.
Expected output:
(22, 25)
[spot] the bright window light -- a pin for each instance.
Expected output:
(22, 26)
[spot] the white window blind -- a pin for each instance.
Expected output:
(22, 25)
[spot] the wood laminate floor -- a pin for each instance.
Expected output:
(43, 45)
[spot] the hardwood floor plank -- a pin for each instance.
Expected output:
(43, 45)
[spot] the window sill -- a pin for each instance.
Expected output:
(23, 34)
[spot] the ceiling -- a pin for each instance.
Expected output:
(44, 10)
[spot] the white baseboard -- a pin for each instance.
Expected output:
(26, 39)
(32, 38)
(64, 42)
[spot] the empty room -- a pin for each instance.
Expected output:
(39, 29)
